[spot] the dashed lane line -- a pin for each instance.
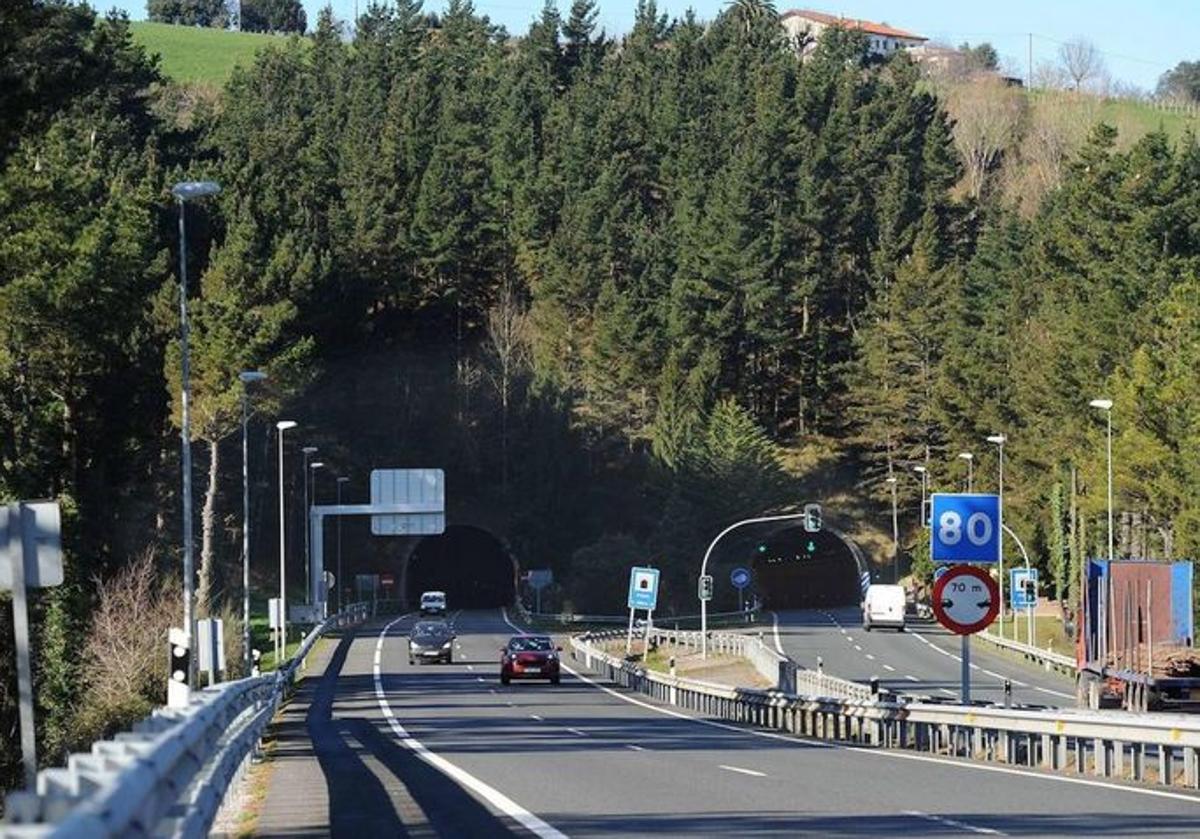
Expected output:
(889, 668)
(633, 747)
(912, 678)
(752, 772)
(577, 732)
(955, 823)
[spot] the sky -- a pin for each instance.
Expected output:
(1140, 40)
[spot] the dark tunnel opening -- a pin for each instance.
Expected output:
(467, 563)
(794, 569)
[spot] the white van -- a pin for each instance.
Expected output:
(433, 603)
(883, 606)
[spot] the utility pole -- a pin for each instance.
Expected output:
(1031, 61)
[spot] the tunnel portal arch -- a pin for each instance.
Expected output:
(469, 563)
(795, 569)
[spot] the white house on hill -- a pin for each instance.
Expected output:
(807, 26)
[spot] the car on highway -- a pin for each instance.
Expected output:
(431, 641)
(433, 603)
(884, 606)
(529, 657)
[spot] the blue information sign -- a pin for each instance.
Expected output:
(1023, 590)
(965, 528)
(740, 577)
(643, 588)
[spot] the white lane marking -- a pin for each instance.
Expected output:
(775, 630)
(870, 657)
(536, 717)
(889, 668)
(848, 638)
(751, 772)
(634, 747)
(1054, 692)
(479, 678)
(912, 678)
(844, 632)
(857, 647)
(972, 828)
(873, 753)
(578, 732)
(470, 667)
(948, 692)
(464, 779)
(491, 690)
(993, 673)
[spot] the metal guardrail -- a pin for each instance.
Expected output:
(1048, 659)
(776, 668)
(169, 775)
(1149, 748)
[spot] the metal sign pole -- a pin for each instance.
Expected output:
(966, 669)
(646, 637)
(629, 635)
(19, 513)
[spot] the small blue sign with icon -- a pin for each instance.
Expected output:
(643, 588)
(1023, 590)
(740, 578)
(966, 527)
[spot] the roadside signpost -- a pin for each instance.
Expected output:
(30, 556)
(1023, 591)
(740, 578)
(643, 594)
(538, 579)
(965, 528)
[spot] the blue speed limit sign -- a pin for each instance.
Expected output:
(965, 528)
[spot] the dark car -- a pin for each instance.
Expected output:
(529, 657)
(431, 641)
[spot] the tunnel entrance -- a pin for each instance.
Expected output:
(794, 569)
(467, 563)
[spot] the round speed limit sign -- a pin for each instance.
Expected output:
(965, 599)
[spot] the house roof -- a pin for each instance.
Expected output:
(867, 26)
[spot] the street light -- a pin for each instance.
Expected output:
(186, 191)
(970, 459)
(282, 426)
(891, 479)
(308, 451)
(999, 440)
(340, 581)
(924, 473)
(1106, 405)
(246, 376)
(311, 584)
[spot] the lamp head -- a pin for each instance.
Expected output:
(1102, 404)
(998, 439)
(920, 470)
(248, 376)
(187, 190)
(309, 449)
(317, 464)
(284, 425)
(967, 456)
(890, 479)
(342, 480)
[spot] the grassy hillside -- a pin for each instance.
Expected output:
(194, 54)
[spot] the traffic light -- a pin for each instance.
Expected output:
(811, 548)
(762, 547)
(812, 518)
(706, 587)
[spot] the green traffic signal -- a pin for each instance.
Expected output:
(762, 549)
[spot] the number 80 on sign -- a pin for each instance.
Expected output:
(965, 527)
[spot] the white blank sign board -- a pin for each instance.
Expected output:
(409, 486)
(46, 570)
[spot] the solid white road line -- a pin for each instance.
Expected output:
(948, 692)
(742, 771)
(879, 754)
(971, 828)
(1054, 692)
(463, 778)
(775, 630)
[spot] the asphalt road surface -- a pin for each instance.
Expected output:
(446, 750)
(924, 659)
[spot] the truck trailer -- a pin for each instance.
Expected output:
(1134, 648)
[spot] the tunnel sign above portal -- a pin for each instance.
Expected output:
(409, 486)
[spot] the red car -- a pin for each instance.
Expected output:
(529, 657)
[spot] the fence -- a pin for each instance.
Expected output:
(1050, 660)
(1157, 749)
(169, 775)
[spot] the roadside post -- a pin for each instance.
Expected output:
(643, 594)
(965, 530)
(30, 557)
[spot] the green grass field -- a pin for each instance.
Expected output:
(195, 54)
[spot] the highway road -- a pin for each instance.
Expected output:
(446, 750)
(924, 659)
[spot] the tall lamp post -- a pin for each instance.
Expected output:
(1106, 405)
(970, 459)
(313, 584)
(282, 426)
(1000, 440)
(891, 479)
(924, 473)
(340, 582)
(246, 376)
(308, 452)
(185, 191)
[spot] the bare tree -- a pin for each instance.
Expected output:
(1081, 61)
(987, 116)
(508, 350)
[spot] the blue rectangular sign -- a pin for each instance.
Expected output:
(965, 527)
(1022, 595)
(643, 588)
